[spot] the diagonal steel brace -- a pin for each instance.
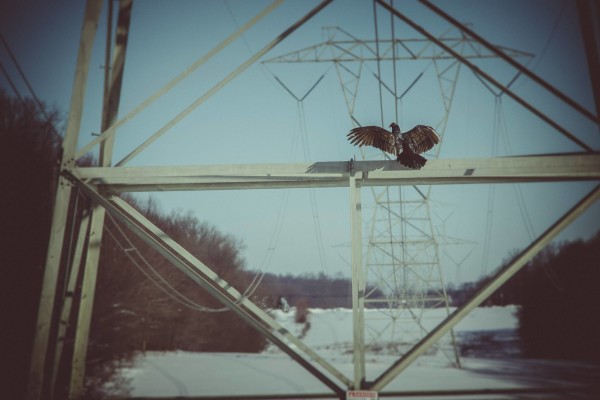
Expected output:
(503, 275)
(215, 285)
(487, 77)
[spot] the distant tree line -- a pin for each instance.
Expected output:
(557, 294)
(319, 290)
(559, 299)
(131, 311)
(144, 303)
(29, 150)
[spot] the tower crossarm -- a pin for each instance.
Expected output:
(354, 49)
(534, 168)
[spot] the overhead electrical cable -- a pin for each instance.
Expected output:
(276, 233)
(501, 120)
(522, 204)
(11, 83)
(378, 60)
(489, 217)
(537, 60)
(24, 77)
(274, 238)
(392, 23)
(154, 277)
(303, 137)
(157, 279)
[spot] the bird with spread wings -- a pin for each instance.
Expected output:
(405, 146)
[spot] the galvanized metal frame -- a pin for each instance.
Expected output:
(68, 300)
(94, 235)
(358, 281)
(584, 166)
(534, 168)
(40, 374)
(106, 179)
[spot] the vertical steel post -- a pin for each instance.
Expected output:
(86, 301)
(39, 378)
(358, 287)
(90, 273)
(67, 304)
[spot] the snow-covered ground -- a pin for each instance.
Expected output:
(330, 334)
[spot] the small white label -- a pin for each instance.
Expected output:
(361, 395)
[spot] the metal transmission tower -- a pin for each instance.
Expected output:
(403, 259)
(103, 183)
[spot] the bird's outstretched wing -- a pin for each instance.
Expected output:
(421, 138)
(373, 136)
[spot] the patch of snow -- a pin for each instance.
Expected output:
(179, 373)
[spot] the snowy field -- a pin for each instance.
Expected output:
(487, 340)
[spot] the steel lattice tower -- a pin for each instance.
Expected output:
(402, 255)
(66, 265)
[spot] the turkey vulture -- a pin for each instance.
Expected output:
(406, 146)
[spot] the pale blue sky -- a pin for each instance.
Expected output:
(254, 120)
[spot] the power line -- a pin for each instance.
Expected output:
(538, 59)
(393, 22)
(11, 83)
(303, 135)
(157, 279)
(525, 216)
(489, 218)
(24, 77)
(378, 59)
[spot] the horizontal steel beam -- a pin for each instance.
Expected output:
(542, 168)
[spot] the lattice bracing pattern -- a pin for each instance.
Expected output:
(402, 246)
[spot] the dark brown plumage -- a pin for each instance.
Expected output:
(405, 146)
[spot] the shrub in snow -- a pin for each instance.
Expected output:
(301, 311)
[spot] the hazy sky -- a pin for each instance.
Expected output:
(254, 120)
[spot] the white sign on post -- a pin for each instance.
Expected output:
(361, 395)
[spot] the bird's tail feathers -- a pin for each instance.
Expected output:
(411, 160)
